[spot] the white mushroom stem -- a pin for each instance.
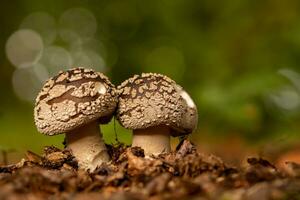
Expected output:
(154, 140)
(87, 146)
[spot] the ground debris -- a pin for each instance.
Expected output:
(260, 170)
(183, 174)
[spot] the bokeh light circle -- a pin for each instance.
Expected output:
(287, 99)
(41, 72)
(89, 59)
(24, 48)
(43, 23)
(55, 59)
(77, 23)
(26, 84)
(91, 44)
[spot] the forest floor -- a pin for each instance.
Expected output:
(182, 174)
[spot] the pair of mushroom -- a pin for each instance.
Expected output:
(76, 101)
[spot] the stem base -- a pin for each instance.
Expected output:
(87, 146)
(154, 140)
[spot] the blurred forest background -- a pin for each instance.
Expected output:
(239, 60)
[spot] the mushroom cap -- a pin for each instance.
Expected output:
(152, 99)
(72, 99)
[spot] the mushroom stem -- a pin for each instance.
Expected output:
(87, 146)
(154, 140)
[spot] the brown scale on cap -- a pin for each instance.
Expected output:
(151, 100)
(74, 98)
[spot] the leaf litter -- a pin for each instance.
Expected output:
(183, 174)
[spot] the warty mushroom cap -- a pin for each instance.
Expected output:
(153, 99)
(72, 99)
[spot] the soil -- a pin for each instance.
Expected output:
(183, 174)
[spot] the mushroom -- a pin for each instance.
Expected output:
(75, 102)
(155, 108)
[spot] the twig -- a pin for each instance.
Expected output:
(115, 130)
(4, 157)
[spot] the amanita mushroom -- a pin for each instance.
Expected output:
(155, 108)
(75, 102)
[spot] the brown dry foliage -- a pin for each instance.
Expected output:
(183, 174)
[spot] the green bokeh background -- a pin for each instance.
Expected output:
(226, 54)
